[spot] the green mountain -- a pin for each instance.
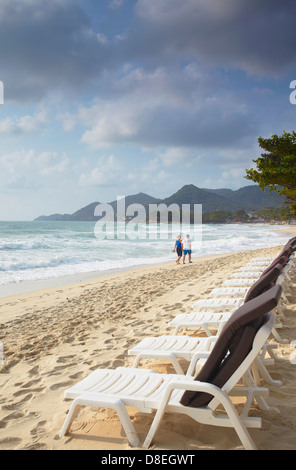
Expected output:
(249, 198)
(210, 201)
(140, 198)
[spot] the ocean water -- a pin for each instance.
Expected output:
(42, 250)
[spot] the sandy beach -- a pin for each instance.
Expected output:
(55, 336)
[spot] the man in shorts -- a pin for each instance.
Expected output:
(187, 248)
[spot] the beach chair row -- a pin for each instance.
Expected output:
(222, 366)
(212, 314)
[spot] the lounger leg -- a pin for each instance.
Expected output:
(277, 336)
(266, 375)
(70, 417)
(177, 328)
(169, 357)
(207, 330)
(237, 423)
(117, 405)
(155, 424)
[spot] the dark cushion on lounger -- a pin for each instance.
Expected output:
(233, 344)
(283, 260)
(292, 245)
(264, 282)
(292, 242)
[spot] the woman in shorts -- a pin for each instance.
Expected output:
(179, 248)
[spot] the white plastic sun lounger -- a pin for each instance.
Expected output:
(229, 292)
(149, 391)
(246, 274)
(259, 263)
(226, 304)
(279, 310)
(239, 282)
(195, 350)
(221, 304)
(200, 321)
(205, 320)
(209, 321)
(253, 268)
(171, 348)
(241, 292)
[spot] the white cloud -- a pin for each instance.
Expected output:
(233, 173)
(175, 156)
(51, 163)
(43, 164)
(108, 172)
(7, 126)
(24, 124)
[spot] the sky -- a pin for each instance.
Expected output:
(105, 98)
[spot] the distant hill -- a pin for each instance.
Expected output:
(54, 217)
(210, 201)
(250, 198)
(140, 198)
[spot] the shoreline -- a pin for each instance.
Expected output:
(27, 286)
(61, 288)
(54, 337)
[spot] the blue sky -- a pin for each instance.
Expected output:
(112, 97)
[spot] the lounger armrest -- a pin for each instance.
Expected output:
(195, 358)
(196, 386)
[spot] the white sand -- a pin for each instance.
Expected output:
(54, 337)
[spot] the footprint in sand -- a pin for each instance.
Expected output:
(9, 442)
(65, 358)
(6, 420)
(102, 365)
(38, 429)
(34, 370)
(76, 376)
(31, 383)
(58, 369)
(60, 385)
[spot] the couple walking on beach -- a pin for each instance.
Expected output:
(183, 248)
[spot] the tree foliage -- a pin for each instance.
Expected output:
(221, 217)
(276, 170)
(275, 214)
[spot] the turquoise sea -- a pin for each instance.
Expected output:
(43, 250)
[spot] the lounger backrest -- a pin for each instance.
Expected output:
(264, 282)
(283, 260)
(233, 344)
(292, 242)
